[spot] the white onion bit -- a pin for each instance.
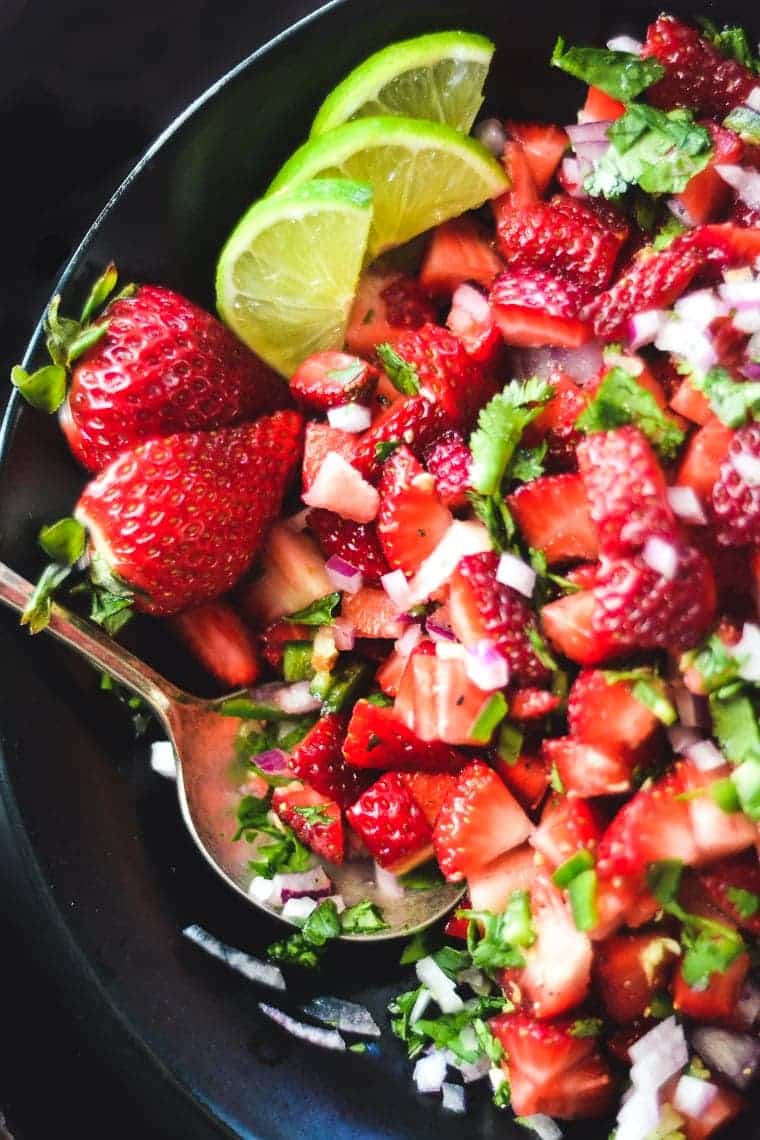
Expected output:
(753, 100)
(644, 327)
(298, 910)
(387, 883)
(661, 556)
(658, 1056)
(485, 666)
(397, 589)
(163, 760)
(626, 44)
(705, 756)
(700, 308)
(686, 503)
(352, 418)
(245, 964)
(512, 571)
(347, 1016)
(693, 1096)
(423, 1000)
(542, 1125)
(314, 1034)
(747, 652)
(430, 1072)
(689, 341)
(453, 1098)
(440, 985)
(409, 640)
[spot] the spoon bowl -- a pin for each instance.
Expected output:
(210, 775)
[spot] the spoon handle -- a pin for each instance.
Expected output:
(94, 645)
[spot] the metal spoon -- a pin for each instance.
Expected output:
(209, 775)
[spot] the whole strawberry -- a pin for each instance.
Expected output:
(176, 521)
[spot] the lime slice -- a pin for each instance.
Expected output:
(438, 77)
(421, 173)
(287, 274)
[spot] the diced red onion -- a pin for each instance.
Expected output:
(753, 100)
(347, 1016)
(543, 1125)
(422, 1001)
(430, 1072)
(581, 364)
(746, 320)
(735, 1055)
(751, 370)
(693, 1096)
(491, 133)
(453, 1098)
(741, 294)
(573, 172)
(745, 182)
(658, 1055)
(661, 556)
(692, 709)
(747, 652)
(705, 756)
(274, 761)
(439, 632)
(460, 539)
(314, 883)
(245, 964)
(485, 666)
(700, 308)
(343, 575)
(679, 211)
(344, 634)
(352, 417)
(689, 341)
(472, 303)
(594, 132)
(748, 467)
(512, 571)
(638, 1116)
(397, 589)
(625, 43)
(387, 883)
(163, 760)
(747, 1011)
(295, 698)
(644, 327)
(440, 985)
(682, 737)
(686, 503)
(314, 1034)
(409, 640)
(299, 908)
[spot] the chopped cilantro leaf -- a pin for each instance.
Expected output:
(733, 402)
(656, 150)
(39, 608)
(502, 934)
(307, 946)
(402, 375)
(362, 918)
(446, 1031)
(500, 425)
(63, 541)
(736, 727)
(745, 903)
(618, 73)
(315, 815)
(586, 1027)
(708, 951)
(496, 517)
(452, 961)
(284, 854)
(714, 663)
(619, 400)
(385, 448)
(509, 744)
(528, 462)
(252, 814)
(319, 612)
(746, 780)
(664, 879)
(422, 878)
(416, 948)
(670, 229)
(491, 714)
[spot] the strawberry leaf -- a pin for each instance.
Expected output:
(63, 541)
(40, 605)
(44, 389)
(99, 293)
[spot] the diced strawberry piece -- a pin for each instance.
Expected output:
(459, 250)
(414, 421)
(543, 145)
(626, 489)
(707, 194)
(437, 700)
(629, 969)
(556, 422)
(356, 543)
(315, 819)
(449, 461)
(391, 824)
(654, 825)
(448, 376)
(385, 305)
(478, 822)
(724, 1108)
(329, 379)
(470, 318)
(729, 883)
(483, 608)
(457, 927)
(378, 739)
(717, 1000)
(705, 452)
(729, 244)
(637, 608)
(319, 441)
(218, 637)
(491, 886)
(533, 308)
(600, 107)
(277, 635)
(411, 520)
(522, 189)
(391, 671)
(372, 613)
(583, 576)
(736, 495)
(553, 515)
(571, 243)
(527, 778)
(569, 625)
(587, 769)
(553, 983)
(552, 1072)
(621, 901)
(318, 761)
(608, 715)
(717, 833)
(568, 825)
(691, 403)
(697, 74)
(532, 704)
(429, 791)
(293, 576)
(653, 280)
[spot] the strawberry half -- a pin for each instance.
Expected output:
(179, 519)
(318, 761)
(315, 819)
(330, 379)
(376, 738)
(216, 634)
(411, 519)
(479, 821)
(391, 824)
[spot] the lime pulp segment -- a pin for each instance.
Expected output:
(421, 173)
(287, 275)
(438, 77)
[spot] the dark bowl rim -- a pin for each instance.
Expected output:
(70, 958)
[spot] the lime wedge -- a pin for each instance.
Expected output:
(288, 271)
(421, 173)
(438, 77)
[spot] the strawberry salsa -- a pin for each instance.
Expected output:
(495, 564)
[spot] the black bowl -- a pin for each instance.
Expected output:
(101, 874)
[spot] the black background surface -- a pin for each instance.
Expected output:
(85, 86)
